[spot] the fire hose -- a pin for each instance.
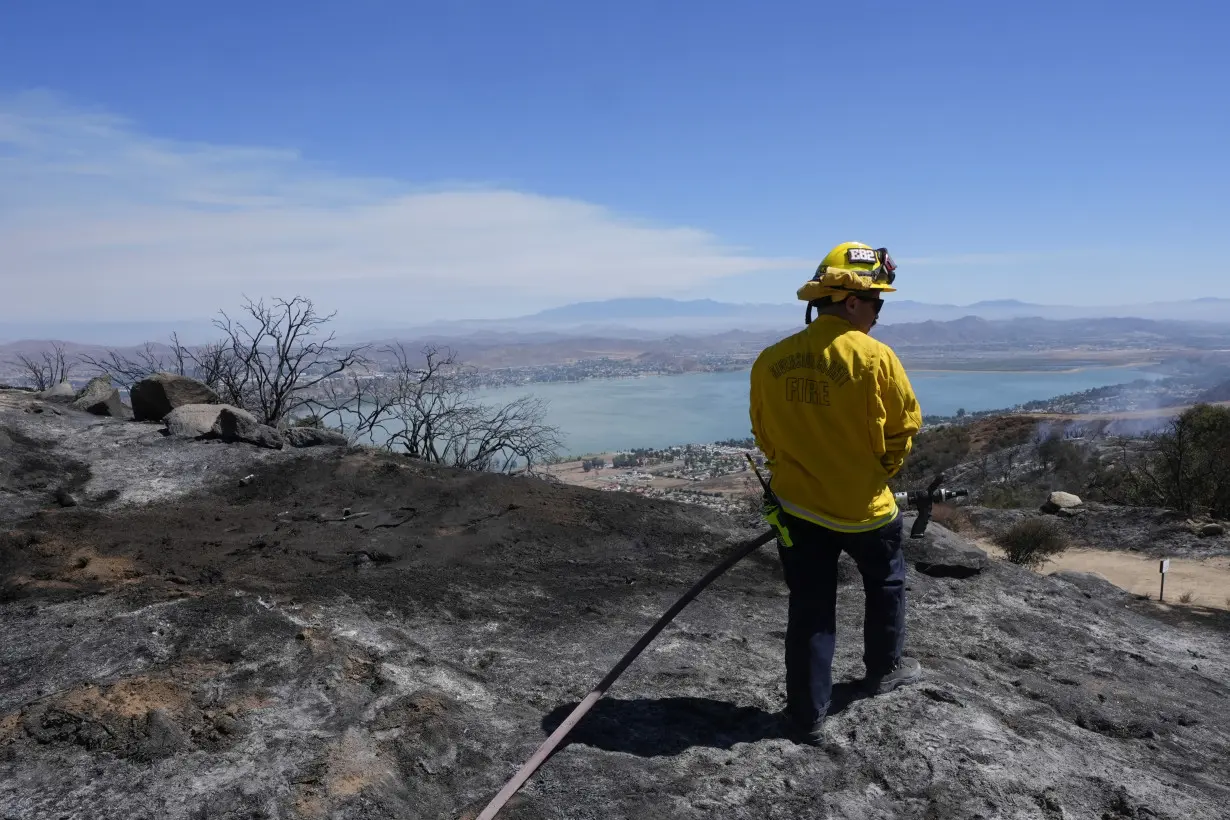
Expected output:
(922, 500)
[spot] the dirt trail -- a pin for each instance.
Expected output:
(1207, 580)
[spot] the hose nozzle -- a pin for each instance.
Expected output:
(924, 501)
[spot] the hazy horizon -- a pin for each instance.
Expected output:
(592, 318)
(431, 164)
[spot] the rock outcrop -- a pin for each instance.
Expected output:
(48, 450)
(62, 392)
(221, 421)
(102, 399)
(161, 393)
(1091, 584)
(192, 420)
(314, 437)
(253, 649)
(235, 425)
(941, 553)
(1058, 502)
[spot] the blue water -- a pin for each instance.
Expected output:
(658, 411)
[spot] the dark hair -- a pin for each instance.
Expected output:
(820, 304)
(823, 302)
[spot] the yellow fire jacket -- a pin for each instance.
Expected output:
(834, 414)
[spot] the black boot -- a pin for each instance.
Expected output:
(814, 735)
(904, 672)
(800, 730)
(808, 734)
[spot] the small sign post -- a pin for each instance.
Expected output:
(1163, 568)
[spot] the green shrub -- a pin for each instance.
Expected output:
(1186, 467)
(1070, 462)
(1032, 541)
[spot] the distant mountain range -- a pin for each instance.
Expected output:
(903, 310)
(637, 318)
(652, 317)
(1197, 348)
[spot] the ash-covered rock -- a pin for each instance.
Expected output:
(161, 393)
(192, 420)
(1059, 501)
(223, 422)
(221, 653)
(49, 451)
(941, 553)
(1091, 583)
(62, 392)
(102, 399)
(314, 437)
(236, 425)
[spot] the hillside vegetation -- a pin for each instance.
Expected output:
(1014, 460)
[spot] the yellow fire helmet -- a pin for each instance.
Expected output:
(851, 267)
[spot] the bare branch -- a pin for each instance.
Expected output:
(49, 370)
(425, 410)
(125, 371)
(277, 357)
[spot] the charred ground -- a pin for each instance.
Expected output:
(356, 635)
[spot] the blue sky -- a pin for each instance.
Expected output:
(415, 161)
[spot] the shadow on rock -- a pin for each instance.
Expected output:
(844, 693)
(666, 726)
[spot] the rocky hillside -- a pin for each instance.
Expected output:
(1156, 533)
(201, 629)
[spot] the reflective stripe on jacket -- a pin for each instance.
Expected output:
(834, 414)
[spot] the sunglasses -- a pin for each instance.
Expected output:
(874, 300)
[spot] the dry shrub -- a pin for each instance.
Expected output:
(1009, 496)
(1032, 541)
(955, 519)
(1186, 597)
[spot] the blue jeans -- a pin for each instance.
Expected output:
(810, 568)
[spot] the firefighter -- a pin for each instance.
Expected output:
(834, 414)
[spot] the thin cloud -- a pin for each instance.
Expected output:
(100, 220)
(959, 259)
(1006, 258)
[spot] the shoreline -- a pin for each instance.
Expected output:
(1030, 371)
(1001, 372)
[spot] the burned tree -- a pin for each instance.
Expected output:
(47, 371)
(425, 408)
(275, 357)
(150, 358)
(206, 363)
(268, 360)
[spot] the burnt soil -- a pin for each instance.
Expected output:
(253, 650)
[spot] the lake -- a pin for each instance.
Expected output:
(657, 411)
